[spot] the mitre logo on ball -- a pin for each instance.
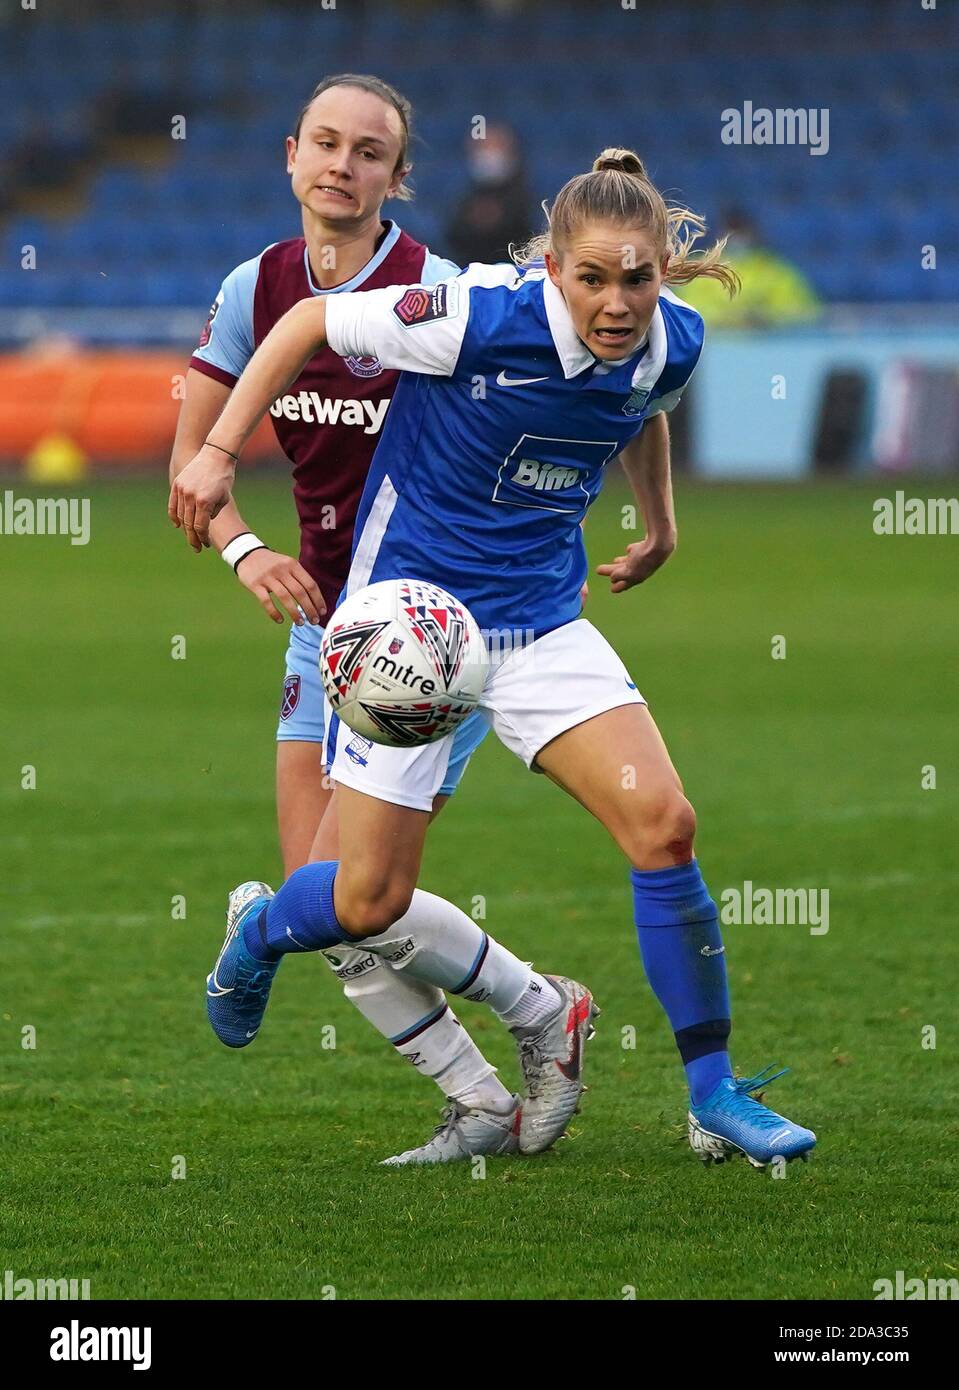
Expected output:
(413, 698)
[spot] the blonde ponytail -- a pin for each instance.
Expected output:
(618, 189)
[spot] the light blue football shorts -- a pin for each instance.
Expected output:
(301, 706)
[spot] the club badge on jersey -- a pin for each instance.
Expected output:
(636, 402)
(208, 326)
(364, 366)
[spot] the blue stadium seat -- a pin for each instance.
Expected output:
(853, 221)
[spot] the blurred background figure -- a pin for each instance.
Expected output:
(495, 210)
(774, 290)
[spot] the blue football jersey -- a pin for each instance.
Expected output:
(498, 436)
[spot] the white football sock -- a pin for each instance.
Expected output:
(416, 1019)
(436, 942)
(487, 1094)
(538, 1002)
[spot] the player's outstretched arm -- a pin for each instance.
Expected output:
(645, 462)
(204, 487)
(278, 582)
(202, 405)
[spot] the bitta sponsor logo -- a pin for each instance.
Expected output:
(310, 408)
(544, 477)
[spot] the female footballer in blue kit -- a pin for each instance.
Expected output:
(348, 153)
(483, 493)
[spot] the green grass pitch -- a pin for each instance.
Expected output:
(154, 778)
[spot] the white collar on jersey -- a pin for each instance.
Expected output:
(375, 261)
(575, 356)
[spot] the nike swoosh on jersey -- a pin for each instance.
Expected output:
(504, 380)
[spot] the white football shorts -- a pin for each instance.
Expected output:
(531, 696)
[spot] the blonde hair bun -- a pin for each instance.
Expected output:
(625, 161)
(630, 198)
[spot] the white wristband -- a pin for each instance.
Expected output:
(240, 547)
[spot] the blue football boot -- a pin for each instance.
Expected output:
(238, 989)
(730, 1122)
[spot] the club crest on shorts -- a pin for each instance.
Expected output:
(364, 366)
(358, 750)
(291, 696)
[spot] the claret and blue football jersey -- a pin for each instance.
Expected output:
(500, 430)
(327, 421)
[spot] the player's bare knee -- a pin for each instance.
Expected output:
(370, 912)
(679, 845)
(664, 831)
(676, 829)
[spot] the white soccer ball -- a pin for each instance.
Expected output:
(403, 662)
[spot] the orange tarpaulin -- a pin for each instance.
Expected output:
(118, 406)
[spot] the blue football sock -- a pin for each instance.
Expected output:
(300, 917)
(683, 954)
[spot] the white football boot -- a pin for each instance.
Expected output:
(552, 1062)
(464, 1133)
